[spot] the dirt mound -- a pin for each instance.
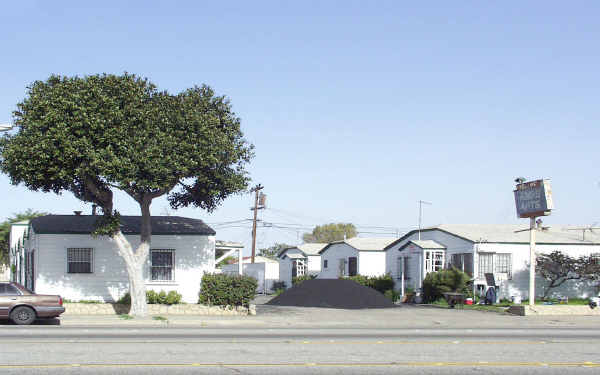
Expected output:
(332, 293)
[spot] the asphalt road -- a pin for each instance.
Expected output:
(186, 350)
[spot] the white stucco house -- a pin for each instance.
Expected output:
(354, 256)
(56, 254)
(477, 249)
(299, 261)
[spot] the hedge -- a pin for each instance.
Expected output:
(379, 283)
(160, 298)
(227, 290)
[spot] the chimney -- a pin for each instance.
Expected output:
(94, 207)
(77, 213)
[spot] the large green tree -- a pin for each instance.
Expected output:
(330, 232)
(90, 135)
(5, 230)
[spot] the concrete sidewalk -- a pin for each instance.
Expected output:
(303, 317)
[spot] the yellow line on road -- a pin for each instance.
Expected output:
(388, 364)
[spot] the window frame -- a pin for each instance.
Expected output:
(505, 265)
(91, 260)
(150, 266)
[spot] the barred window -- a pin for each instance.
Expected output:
(79, 260)
(503, 263)
(486, 264)
(162, 267)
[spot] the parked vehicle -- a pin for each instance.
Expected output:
(23, 306)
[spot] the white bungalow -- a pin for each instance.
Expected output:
(56, 254)
(299, 261)
(354, 256)
(479, 249)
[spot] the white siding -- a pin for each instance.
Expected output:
(194, 255)
(371, 263)
(314, 264)
(285, 271)
(333, 255)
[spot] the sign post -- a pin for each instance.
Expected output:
(533, 199)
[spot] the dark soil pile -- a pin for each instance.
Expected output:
(332, 293)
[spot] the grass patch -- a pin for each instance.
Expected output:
(504, 304)
(125, 316)
(159, 317)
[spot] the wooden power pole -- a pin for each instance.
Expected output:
(256, 207)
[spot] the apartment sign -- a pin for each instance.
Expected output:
(534, 199)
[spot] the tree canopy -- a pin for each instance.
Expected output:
(330, 232)
(90, 135)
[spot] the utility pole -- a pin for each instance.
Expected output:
(256, 207)
(421, 214)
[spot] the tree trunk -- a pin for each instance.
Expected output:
(134, 262)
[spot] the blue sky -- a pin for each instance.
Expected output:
(357, 109)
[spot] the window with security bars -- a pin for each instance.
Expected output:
(79, 260)
(162, 265)
(486, 264)
(503, 264)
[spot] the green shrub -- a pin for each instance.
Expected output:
(151, 297)
(125, 300)
(173, 298)
(227, 290)
(299, 279)
(392, 295)
(162, 298)
(278, 285)
(379, 283)
(278, 291)
(445, 281)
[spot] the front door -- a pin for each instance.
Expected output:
(352, 266)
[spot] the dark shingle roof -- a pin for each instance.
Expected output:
(84, 224)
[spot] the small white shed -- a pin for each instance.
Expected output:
(354, 256)
(299, 261)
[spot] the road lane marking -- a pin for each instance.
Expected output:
(309, 364)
